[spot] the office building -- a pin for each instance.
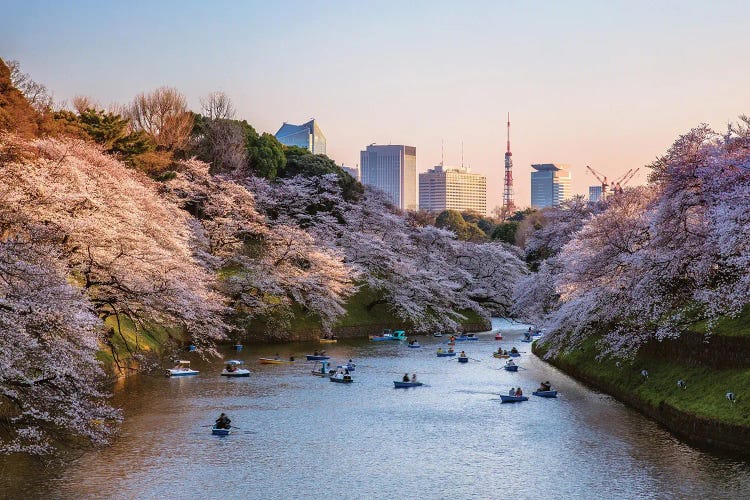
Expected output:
(393, 170)
(308, 136)
(595, 193)
(445, 188)
(550, 184)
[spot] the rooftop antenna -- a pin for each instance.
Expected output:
(442, 152)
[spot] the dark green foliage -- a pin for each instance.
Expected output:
(506, 231)
(108, 129)
(265, 154)
(486, 224)
(453, 221)
(521, 214)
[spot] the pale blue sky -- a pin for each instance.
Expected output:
(610, 84)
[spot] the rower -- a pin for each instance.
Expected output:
(406, 377)
(414, 377)
(223, 422)
(463, 354)
(440, 350)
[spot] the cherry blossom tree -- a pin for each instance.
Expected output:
(266, 270)
(50, 381)
(126, 247)
(422, 273)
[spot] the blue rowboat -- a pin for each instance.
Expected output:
(445, 354)
(545, 394)
(527, 340)
(313, 357)
(344, 379)
(514, 354)
(220, 432)
(388, 335)
(463, 360)
(513, 399)
(403, 385)
(511, 368)
(415, 346)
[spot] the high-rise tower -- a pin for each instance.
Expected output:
(508, 204)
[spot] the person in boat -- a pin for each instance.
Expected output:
(230, 368)
(500, 350)
(413, 377)
(545, 386)
(512, 391)
(510, 363)
(463, 354)
(440, 350)
(315, 353)
(450, 349)
(223, 422)
(513, 350)
(519, 392)
(406, 377)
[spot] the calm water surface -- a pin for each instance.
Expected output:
(305, 437)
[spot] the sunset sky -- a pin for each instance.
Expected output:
(608, 84)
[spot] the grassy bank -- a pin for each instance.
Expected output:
(704, 396)
(365, 314)
(126, 340)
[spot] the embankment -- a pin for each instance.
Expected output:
(700, 413)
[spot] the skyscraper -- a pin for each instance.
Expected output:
(550, 184)
(308, 136)
(392, 169)
(445, 188)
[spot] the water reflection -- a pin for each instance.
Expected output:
(301, 436)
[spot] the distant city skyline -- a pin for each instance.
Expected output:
(606, 84)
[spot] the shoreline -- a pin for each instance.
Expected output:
(711, 434)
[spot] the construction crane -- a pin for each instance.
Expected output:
(622, 181)
(601, 178)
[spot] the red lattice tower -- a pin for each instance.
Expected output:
(508, 205)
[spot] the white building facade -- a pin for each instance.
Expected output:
(451, 188)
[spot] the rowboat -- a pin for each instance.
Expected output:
(317, 357)
(500, 356)
(220, 432)
(389, 335)
(527, 340)
(498, 336)
(514, 354)
(403, 385)
(181, 369)
(327, 341)
(545, 394)
(350, 366)
(437, 334)
(232, 371)
(513, 399)
(415, 345)
(273, 361)
(445, 354)
(463, 359)
(341, 376)
(511, 368)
